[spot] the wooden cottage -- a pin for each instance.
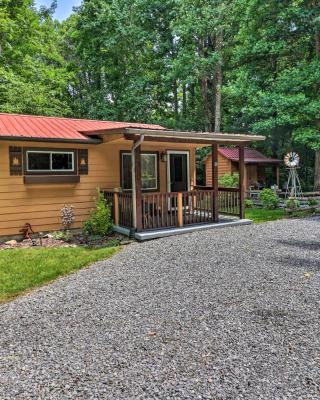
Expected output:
(146, 171)
(254, 171)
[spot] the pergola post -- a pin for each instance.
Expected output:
(138, 193)
(278, 175)
(215, 187)
(241, 181)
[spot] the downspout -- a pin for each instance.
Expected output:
(134, 192)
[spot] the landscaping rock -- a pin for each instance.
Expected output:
(11, 243)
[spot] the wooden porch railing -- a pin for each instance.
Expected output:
(229, 201)
(174, 209)
(159, 210)
(121, 206)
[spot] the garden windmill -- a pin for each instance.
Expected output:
(293, 189)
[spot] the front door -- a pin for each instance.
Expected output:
(178, 172)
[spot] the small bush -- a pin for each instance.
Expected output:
(269, 199)
(248, 203)
(229, 180)
(100, 221)
(312, 202)
(66, 236)
(292, 204)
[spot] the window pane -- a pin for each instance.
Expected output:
(149, 171)
(149, 183)
(126, 172)
(62, 161)
(38, 161)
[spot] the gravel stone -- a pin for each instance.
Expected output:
(231, 313)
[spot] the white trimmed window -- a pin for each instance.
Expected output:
(149, 171)
(50, 161)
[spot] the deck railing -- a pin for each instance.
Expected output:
(173, 209)
(229, 201)
(159, 210)
(198, 206)
(121, 207)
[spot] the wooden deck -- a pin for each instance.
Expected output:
(174, 209)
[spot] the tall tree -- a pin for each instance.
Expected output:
(33, 76)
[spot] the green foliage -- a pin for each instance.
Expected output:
(292, 203)
(33, 72)
(159, 61)
(23, 269)
(100, 221)
(269, 199)
(248, 203)
(313, 202)
(229, 180)
(66, 235)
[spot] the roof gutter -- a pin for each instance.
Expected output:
(51, 140)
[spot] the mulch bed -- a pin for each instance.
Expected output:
(77, 240)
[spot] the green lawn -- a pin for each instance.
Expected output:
(260, 215)
(23, 269)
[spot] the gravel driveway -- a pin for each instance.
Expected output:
(231, 313)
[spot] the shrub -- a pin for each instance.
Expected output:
(312, 202)
(229, 180)
(269, 199)
(248, 203)
(100, 221)
(67, 215)
(292, 204)
(66, 236)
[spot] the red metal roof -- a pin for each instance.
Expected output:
(39, 127)
(250, 155)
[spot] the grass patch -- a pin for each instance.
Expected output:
(23, 269)
(258, 215)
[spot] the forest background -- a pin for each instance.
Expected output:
(225, 66)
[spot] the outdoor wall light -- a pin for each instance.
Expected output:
(163, 156)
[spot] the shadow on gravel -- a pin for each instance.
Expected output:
(304, 264)
(309, 245)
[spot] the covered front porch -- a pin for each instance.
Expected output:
(183, 207)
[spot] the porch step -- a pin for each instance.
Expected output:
(155, 234)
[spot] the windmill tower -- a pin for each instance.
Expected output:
(293, 189)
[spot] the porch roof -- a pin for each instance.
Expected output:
(166, 135)
(197, 137)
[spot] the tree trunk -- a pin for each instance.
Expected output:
(317, 158)
(184, 100)
(204, 92)
(204, 88)
(175, 100)
(218, 85)
(217, 117)
(317, 172)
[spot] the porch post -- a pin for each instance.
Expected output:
(215, 188)
(241, 180)
(137, 179)
(278, 175)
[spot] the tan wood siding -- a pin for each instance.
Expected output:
(224, 167)
(40, 204)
